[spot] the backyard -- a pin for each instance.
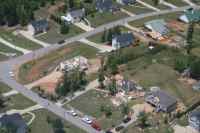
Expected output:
(159, 6)
(137, 8)
(36, 69)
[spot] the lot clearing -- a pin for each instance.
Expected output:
(36, 69)
(137, 8)
(90, 103)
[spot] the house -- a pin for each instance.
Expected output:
(194, 119)
(105, 6)
(16, 120)
(126, 2)
(74, 16)
(161, 100)
(196, 86)
(128, 86)
(158, 28)
(123, 40)
(190, 15)
(38, 26)
(76, 62)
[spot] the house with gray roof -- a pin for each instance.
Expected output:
(126, 2)
(74, 16)
(194, 119)
(14, 120)
(123, 40)
(38, 26)
(161, 100)
(190, 15)
(158, 26)
(105, 6)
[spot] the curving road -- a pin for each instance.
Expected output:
(7, 66)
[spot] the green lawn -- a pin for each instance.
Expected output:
(53, 34)
(156, 125)
(166, 17)
(90, 104)
(178, 2)
(137, 9)
(17, 101)
(159, 6)
(40, 124)
(102, 18)
(6, 49)
(4, 88)
(36, 69)
(18, 40)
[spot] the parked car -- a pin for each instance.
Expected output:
(108, 131)
(96, 126)
(61, 42)
(73, 113)
(11, 74)
(127, 119)
(86, 120)
(119, 128)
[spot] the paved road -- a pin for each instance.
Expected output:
(6, 67)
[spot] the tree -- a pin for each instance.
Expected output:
(195, 69)
(156, 2)
(101, 76)
(143, 119)
(64, 29)
(112, 87)
(181, 63)
(104, 36)
(107, 110)
(189, 38)
(125, 109)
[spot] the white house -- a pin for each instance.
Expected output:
(74, 16)
(38, 26)
(190, 15)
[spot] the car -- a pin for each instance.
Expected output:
(11, 74)
(86, 120)
(127, 119)
(119, 128)
(61, 42)
(73, 113)
(96, 126)
(108, 131)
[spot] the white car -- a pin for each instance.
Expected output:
(11, 74)
(73, 113)
(86, 120)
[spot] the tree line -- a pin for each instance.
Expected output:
(13, 12)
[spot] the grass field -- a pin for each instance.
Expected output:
(6, 49)
(4, 88)
(53, 34)
(17, 101)
(178, 2)
(103, 18)
(36, 69)
(137, 9)
(40, 124)
(90, 104)
(166, 17)
(159, 6)
(18, 40)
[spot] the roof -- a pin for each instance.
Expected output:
(124, 38)
(105, 5)
(40, 24)
(77, 13)
(158, 25)
(193, 15)
(128, 85)
(16, 120)
(165, 99)
(195, 114)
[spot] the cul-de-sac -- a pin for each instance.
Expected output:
(99, 66)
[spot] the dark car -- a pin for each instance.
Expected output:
(119, 128)
(127, 119)
(61, 42)
(109, 131)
